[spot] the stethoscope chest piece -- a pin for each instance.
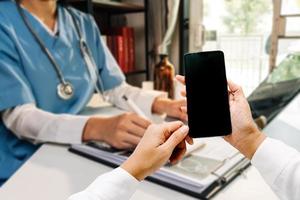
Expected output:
(65, 90)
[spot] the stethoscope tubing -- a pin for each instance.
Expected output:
(84, 49)
(85, 52)
(43, 47)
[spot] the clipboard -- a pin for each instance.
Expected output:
(109, 157)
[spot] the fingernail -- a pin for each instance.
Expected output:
(180, 122)
(184, 129)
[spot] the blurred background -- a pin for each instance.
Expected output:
(255, 35)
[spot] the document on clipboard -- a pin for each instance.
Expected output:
(209, 165)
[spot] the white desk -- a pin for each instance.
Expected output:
(53, 173)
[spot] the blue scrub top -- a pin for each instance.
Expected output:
(27, 76)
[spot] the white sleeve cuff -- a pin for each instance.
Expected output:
(71, 129)
(27, 121)
(115, 185)
(271, 158)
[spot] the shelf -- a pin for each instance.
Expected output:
(290, 15)
(113, 7)
(289, 37)
(136, 72)
(104, 10)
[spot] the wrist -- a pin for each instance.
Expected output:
(248, 145)
(134, 168)
(93, 129)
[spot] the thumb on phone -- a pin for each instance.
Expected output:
(176, 137)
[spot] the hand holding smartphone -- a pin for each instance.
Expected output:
(207, 94)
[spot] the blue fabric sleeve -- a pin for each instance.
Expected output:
(14, 87)
(109, 70)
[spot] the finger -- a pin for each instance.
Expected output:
(126, 145)
(231, 97)
(173, 126)
(183, 109)
(181, 79)
(227, 138)
(183, 113)
(170, 127)
(178, 152)
(178, 156)
(189, 140)
(122, 145)
(178, 112)
(142, 122)
(132, 139)
(176, 137)
(135, 129)
(182, 102)
(183, 116)
(183, 93)
(234, 88)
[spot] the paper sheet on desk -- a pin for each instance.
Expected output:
(214, 155)
(216, 148)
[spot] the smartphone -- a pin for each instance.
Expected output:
(207, 94)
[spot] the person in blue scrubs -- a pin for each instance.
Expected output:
(27, 76)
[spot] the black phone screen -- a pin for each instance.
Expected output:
(207, 94)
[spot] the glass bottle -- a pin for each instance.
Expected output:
(164, 76)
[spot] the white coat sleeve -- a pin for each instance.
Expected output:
(279, 165)
(29, 122)
(143, 99)
(115, 185)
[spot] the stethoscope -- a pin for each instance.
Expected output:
(65, 89)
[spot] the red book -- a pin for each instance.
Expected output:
(115, 45)
(131, 49)
(120, 52)
(123, 31)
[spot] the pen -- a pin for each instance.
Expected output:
(134, 107)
